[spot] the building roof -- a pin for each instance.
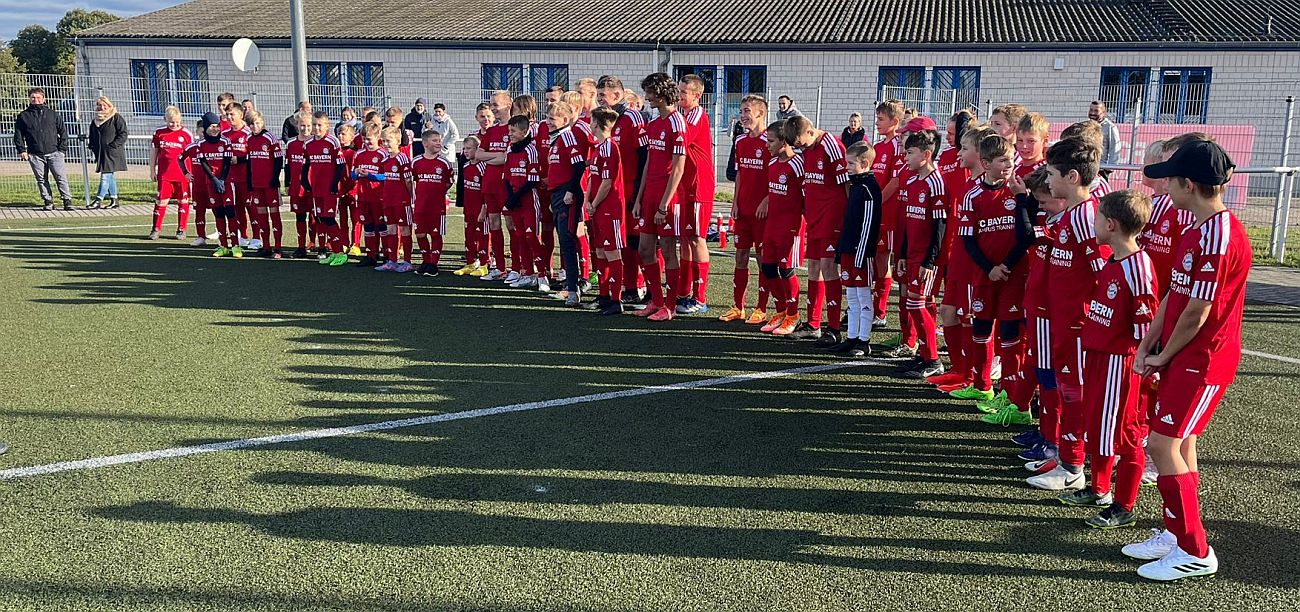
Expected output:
(1034, 23)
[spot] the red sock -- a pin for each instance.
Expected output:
(780, 291)
(685, 278)
(517, 249)
(816, 299)
(834, 299)
(1012, 355)
(702, 282)
(739, 285)
(358, 229)
(613, 278)
(982, 361)
(602, 273)
(927, 343)
(1183, 511)
(498, 239)
(345, 229)
(632, 267)
(277, 229)
(254, 225)
(183, 216)
(426, 249)
(907, 326)
(407, 247)
(1072, 411)
(764, 288)
(372, 245)
(654, 283)
(584, 252)
(301, 226)
(1103, 469)
(955, 337)
(262, 220)
(883, 286)
(201, 221)
(434, 254)
(791, 295)
(673, 277)
(536, 252)
(1131, 464)
(1049, 422)
(390, 243)
(159, 213)
(335, 234)
(222, 238)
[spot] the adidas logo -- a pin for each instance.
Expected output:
(830, 249)
(1143, 310)
(1070, 437)
(1208, 267)
(1014, 309)
(1065, 369)
(1168, 419)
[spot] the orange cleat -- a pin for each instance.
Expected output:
(734, 314)
(775, 322)
(664, 314)
(758, 317)
(787, 327)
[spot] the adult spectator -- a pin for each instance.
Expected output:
(785, 108)
(443, 123)
(290, 129)
(855, 132)
(348, 116)
(553, 94)
(1109, 132)
(248, 105)
(736, 130)
(42, 141)
(416, 121)
(108, 133)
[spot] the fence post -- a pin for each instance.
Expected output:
(952, 106)
(388, 101)
(988, 104)
(1282, 205)
(252, 95)
(1132, 142)
(817, 121)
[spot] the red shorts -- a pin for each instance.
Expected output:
(1067, 355)
(781, 244)
(525, 217)
(822, 246)
(886, 246)
(370, 212)
(697, 216)
(430, 219)
(265, 197)
(243, 195)
(610, 232)
(914, 285)
(748, 231)
(545, 214)
(1038, 335)
(957, 291)
(853, 276)
(324, 205)
(205, 198)
(494, 196)
(1184, 402)
(1002, 300)
(300, 204)
(400, 214)
(651, 200)
(1114, 415)
(174, 190)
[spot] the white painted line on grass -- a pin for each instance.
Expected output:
(70, 228)
(334, 432)
(1281, 358)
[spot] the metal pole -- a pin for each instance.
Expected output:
(388, 101)
(817, 120)
(85, 168)
(1132, 142)
(298, 43)
(252, 95)
(952, 106)
(989, 105)
(1282, 205)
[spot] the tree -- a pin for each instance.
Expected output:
(9, 63)
(37, 48)
(77, 20)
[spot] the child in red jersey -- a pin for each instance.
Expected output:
(393, 120)
(857, 248)
(1005, 120)
(699, 181)
(959, 274)
(889, 162)
(349, 213)
(212, 156)
(924, 207)
(476, 235)
(1031, 143)
(237, 133)
(564, 179)
(826, 196)
(751, 191)
(784, 229)
(1090, 132)
(368, 172)
(1195, 345)
(395, 177)
(606, 208)
(322, 175)
(265, 162)
(629, 136)
(295, 154)
(434, 176)
(523, 174)
(166, 167)
(1168, 222)
(658, 202)
(1076, 259)
(1122, 306)
(494, 139)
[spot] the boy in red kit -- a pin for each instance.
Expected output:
(166, 167)
(265, 162)
(826, 196)
(434, 176)
(1031, 143)
(1005, 120)
(783, 233)
(751, 191)
(956, 182)
(658, 203)
(1090, 132)
(395, 176)
(1076, 259)
(629, 136)
(1122, 307)
(368, 172)
(237, 133)
(858, 243)
(322, 175)
(889, 162)
(523, 174)
(540, 131)
(349, 214)
(699, 180)
(211, 181)
(1195, 345)
(476, 236)
(494, 139)
(605, 209)
(924, 205)
(295, 154)
(566, 170)
(1168, 222)
(393, 119)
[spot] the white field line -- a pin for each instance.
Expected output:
(1281, 358)
(70, 228)
(334, 432)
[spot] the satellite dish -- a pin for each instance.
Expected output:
(245, 54)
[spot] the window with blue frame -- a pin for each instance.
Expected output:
(953, 88)
(192, 95)
(738, 82)
(365, 85)
(708, 73)
(900, 82)
(334, 85)
(509, 77)
(1184, 93)
(325, 86)
(150, 87)
(545, 76)
(1123, 90)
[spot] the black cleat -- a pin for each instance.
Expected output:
(429, 270)
(367, 262)
(48, 206)
(925, 369)
(299, 253)
(830, 338)
(805, 331)
(844, 346)
(612, 308)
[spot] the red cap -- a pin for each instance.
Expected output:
(920, 124)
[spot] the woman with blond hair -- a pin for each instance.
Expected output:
(108, 134)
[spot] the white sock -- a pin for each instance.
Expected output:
(851, 296)
(867, 316)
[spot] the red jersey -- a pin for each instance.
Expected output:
(295, 155)
(924, 204)
(608, 166)
(992, 221)
(1076, 260)
(169, 145)
(263, 151)
(472, 180)
(1161, 234)
(1039, 268)
(365, 163)
(699, 181)
(826, 171)
(238, 151)
(629, 135)
(348, 186)
(751, 172)
(666, 138)
(956, 182)
(1025, 169)
(1212, 263)
(433, 179)
(1122, 307)
(396, 190)
(324, 155)
(1099, 187)
(785, 192)
(215, 155)
(523, 166)
(889, 162)
(564, 151)
(495, 139)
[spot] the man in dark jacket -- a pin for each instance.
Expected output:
(289, 130)
(42, 141)
(415, 121)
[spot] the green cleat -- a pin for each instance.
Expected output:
(1009, 415)
(237, 252)
(969, 392)
(221, 252)
(995, 405)
(338, 259)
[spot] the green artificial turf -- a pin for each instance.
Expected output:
(842, 490)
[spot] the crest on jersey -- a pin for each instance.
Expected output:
(1009, 205)
(1187, 261)
(920, 198)
(977, 305)
(1065, 234)
(820, 164)
(844, 275)
(663, 134)
(781, 179)
(1164, 227)
(1112, 290)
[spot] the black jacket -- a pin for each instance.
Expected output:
(39, 130)
(851, 138)
(290, 129)
(108, 144)
(861, 219)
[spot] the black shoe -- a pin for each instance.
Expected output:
(601, 302)
(805, 331)
(1113, 516)
(277, 254)
(112, 203)
(264, 252)
(48, 206)
(633, 297)
(584, 285)
(299, 253)
(859, 351)
(612, 308)
(844, 346)
(95, 203)
(925, 369)
(429, 270)
(879, 324)
(367, 262)
(67, 205)
(830, 338)
(907, 366)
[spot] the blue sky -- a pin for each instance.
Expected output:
(19, 14)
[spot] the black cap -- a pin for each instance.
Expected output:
(1201, 162)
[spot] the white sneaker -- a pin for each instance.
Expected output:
(1160, 543)
(213, 236)
(543, 284)
(200, 241)
(511, 278)
(243, 243)
(493, 274)
(1059, 479)
(1178, 565)
(1150, 473)
(561, 275)
(525, 282)
(255, 244)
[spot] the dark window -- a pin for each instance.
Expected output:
(546, 76)
(509, 77)
(192, 95)
(1122, 89)
(1184, 93)
(150, 87)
